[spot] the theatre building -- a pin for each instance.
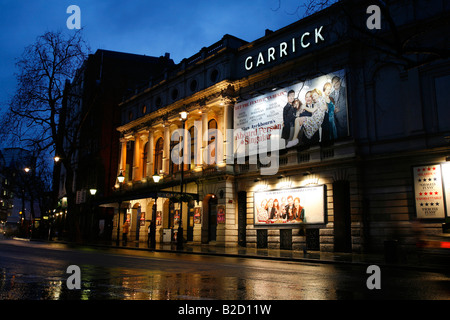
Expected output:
(319, 135)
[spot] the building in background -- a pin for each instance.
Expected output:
(20, 201)
(95, 93)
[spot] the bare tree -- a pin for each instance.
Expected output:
(37, 112)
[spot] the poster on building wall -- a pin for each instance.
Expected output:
(142, 219)
(428, 192)
(176, 217)
(197, 215)
(290, 206)
(220, 214)
(302, 114)
(158, 218)
(446, 182)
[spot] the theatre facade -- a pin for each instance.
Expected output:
(303, 139)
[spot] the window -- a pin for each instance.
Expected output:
(192, 134)
(159, 147)
(442, 102)
(158, 102)
(144, 160)
(212, 125)
(174, 94)
(193, 85)
(214, 76)
(173, 167)
(129, 161)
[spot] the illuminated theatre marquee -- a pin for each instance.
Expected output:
(284, 49)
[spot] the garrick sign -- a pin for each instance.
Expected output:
(284, 49)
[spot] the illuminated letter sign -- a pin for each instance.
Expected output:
(284, 49)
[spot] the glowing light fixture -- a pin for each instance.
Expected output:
(120, 177)
(156, 178)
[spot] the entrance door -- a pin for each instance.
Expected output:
(242, 218)
(190, 224)
(212, 218)
(342, 219)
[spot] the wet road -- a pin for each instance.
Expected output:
(37, 271)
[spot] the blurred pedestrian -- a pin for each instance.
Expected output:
(125, 229)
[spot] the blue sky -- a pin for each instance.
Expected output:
(150, 27)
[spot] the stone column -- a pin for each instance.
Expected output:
(137, 158)
(227, 124)
(123, 156)
(204, 143)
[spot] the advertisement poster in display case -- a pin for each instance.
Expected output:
(428, 192)
(304, 205)
(197, 215)
(220, 214)
(446, 182)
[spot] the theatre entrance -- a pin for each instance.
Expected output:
(212, 218)
(342, 218)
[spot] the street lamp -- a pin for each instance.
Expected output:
(156, 178)
(92, 191)
(120, 179)
(27, 169)
(183, 115)
(56, 158)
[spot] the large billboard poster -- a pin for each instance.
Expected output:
(290, 206)
(305, 113)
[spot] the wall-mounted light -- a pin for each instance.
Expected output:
(93, 191)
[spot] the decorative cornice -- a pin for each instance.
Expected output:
(221, 92)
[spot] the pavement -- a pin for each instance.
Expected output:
(423, 260)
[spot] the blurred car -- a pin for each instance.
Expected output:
(435, 242)
(10, 229)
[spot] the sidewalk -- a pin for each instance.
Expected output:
(425, 261)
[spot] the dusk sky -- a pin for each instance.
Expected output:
(151, 27)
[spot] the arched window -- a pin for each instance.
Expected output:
(192, 134)
(144, 160)
(129, 161)
(173, 167)
(212, 124)
(158, 163)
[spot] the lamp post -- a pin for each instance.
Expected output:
(156, 179)
(120, 180)
(183, 115)
(92, 231)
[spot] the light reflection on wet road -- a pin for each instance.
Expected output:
(37, 271)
